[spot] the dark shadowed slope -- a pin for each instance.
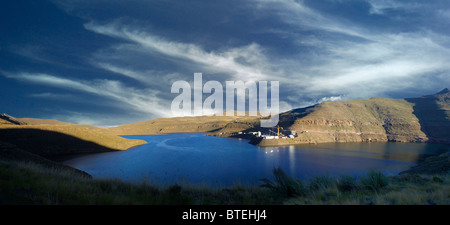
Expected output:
(433, 112)
(13, 154)
(51, 138)
(49, 144)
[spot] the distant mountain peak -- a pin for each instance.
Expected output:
(444, 91)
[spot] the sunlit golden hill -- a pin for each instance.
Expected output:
(54, 139)
(424, 119)
(198, 124)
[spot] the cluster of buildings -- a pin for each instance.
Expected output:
(272, 136)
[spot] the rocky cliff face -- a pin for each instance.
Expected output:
(375, 119)
(424, 119)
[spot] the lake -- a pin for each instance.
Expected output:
(193, 158)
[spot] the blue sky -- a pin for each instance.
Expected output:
(109, 62)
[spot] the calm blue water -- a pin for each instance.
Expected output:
(215, 161)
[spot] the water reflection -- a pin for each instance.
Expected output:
(335, 159)
(195, 158)
(291, 159)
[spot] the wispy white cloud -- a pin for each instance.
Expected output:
(381, 6)
(375, 63)
(48, 95)
(378, 62)
(143, 77)
(304, 18)
(362, 63)
(399, 57)
(91, 118)
(39, 54)
(330, 99)
(151, 78)
(247, 61)
(140, 100)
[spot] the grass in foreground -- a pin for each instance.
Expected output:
(375, 188)
(30, 183)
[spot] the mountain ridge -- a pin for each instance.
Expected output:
(422, 119)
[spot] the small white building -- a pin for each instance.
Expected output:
(270, 137)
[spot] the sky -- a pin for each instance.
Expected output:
(110, 62)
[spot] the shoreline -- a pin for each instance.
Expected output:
(417, 164)
(61, 158)
(85, 189)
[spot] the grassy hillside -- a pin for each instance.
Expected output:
(176, 125)
(424, 119)
(9, 120)
(33, 121)
(376, 119)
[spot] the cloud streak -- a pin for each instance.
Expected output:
(376, 63)
(363, 63)
(254, 67)
(141, 100)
